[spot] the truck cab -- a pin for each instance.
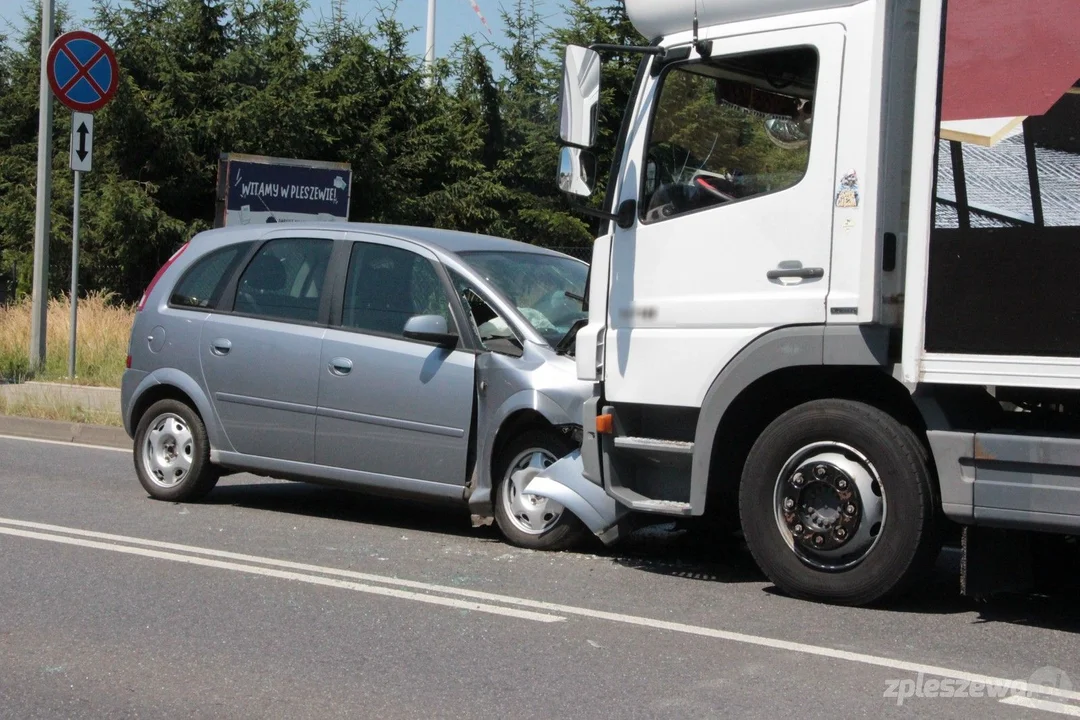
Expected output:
(769, 334)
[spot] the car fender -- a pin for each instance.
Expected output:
(565, 483)
(190, 387)
(533, 400)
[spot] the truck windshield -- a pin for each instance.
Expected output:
(546, 289)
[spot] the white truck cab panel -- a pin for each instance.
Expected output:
(774, 235)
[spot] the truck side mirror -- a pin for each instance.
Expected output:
(580, 96)
(577, 171)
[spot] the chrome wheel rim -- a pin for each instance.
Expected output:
(830, 506)
(168, 450)
(530, 514)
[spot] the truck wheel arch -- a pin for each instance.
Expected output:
(779, 370)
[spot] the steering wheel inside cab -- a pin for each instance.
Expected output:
(684, 188)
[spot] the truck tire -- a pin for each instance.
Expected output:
(838, 505)
(529, 521)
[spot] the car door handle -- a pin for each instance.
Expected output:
(340, 366)
(809, 273)
(221, 346)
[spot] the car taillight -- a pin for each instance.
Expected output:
(157, 276)
(128, 364)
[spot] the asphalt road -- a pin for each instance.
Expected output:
(288, 600)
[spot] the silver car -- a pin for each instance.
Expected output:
(410, 362)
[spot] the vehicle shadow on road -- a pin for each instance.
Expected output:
(663, 549)
(939, 593)
(297, 498)
(660, 549)
(1049, 612)
(666, 549)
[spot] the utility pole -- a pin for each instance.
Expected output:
(429, 49)
(40, 297)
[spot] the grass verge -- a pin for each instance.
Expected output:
(62, 411)
(104, 327)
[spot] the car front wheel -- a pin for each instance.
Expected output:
(526, 520)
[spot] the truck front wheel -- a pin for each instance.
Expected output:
(837, 503)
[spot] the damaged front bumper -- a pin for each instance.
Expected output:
(565, 483)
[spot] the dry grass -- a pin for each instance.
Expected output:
(103, 325)
(56, 410)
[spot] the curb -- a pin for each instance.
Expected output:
(58, 431)
(91, 397)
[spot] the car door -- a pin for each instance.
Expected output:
(735, 211)
(389, 405)
(260, 359)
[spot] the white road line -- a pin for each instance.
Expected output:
(68, 443)
(830, 653)
(285, 575)
(1036, 704)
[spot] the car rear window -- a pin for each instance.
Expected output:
(202, 284)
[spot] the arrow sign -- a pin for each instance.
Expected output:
(82, 131)
(82, 141)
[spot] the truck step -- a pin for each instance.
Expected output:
(639, 502)
(654, 445)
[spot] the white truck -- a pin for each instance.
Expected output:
(836, 306)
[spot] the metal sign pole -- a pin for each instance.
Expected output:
(74, 276)
(40, 296)
(81, 161)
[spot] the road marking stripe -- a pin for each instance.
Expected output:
(286, 575)
(864, 659)
(68, 443)
(1036, 704)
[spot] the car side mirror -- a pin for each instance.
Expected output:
(430, 328)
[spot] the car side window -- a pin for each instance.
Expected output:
(494, 332)
(284, 281)
(729, 129)
(388, 285)
(202, 284)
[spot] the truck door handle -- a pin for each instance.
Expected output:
(340, 366)
(221, 346)
(809, 273)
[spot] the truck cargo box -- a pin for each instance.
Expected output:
(993, 267)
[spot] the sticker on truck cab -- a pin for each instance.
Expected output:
(847, 194)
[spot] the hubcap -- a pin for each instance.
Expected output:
(531, 514)
(168, 451)
(830, 505)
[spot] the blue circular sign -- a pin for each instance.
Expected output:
(82, 71)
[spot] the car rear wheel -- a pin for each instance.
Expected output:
(172, 453)
(531, 521)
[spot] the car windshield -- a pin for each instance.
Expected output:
(546, 289)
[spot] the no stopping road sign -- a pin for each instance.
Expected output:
(82, 71)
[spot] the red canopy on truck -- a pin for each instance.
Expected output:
(1009, 58)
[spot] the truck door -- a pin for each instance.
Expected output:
(732, 163)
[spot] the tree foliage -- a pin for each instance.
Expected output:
(465, 151)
